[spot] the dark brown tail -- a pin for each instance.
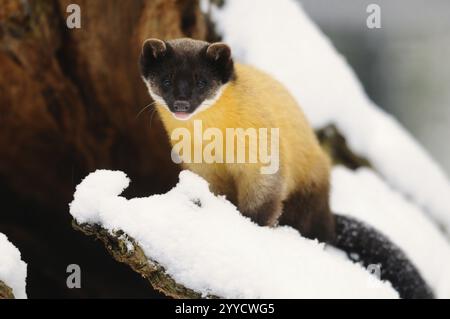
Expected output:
(365, 244)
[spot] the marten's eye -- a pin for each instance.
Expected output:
(201, 84)
(166, 83)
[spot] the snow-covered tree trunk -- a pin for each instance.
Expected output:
(118, 245)
(124, 249)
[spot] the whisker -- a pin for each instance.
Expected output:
(146, 107)
(151, 117)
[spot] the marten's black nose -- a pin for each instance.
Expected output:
(181, 106)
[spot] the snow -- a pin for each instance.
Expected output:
(205, 244)
(13, 271)
(278, 37)
(364, 195)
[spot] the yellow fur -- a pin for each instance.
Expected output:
(256, 100)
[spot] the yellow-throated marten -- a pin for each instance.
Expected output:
(194, 80)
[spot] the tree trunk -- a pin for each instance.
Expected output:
(70, 98)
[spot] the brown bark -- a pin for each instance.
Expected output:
(5, 291)
(69, 98)
(150, 269)
(334, 143)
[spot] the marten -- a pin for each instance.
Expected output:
(193, 80)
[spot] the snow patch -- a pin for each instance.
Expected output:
(13, 271)
(363, 195)
(205, 244)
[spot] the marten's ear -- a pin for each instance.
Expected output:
(152, 50)
(218, 52)
(220, 55)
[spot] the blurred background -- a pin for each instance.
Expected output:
(69, 101)
(404, 66)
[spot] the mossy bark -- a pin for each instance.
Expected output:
(5, 291)
(334, 143)
(117, 244)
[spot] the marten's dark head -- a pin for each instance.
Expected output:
(186, 75)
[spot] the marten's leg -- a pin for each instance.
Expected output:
(308, 211)
(220, 182)
(259, 196)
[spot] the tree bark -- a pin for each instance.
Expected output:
(5, 291)
(117, 245)
(69, 100)
(334, 143)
